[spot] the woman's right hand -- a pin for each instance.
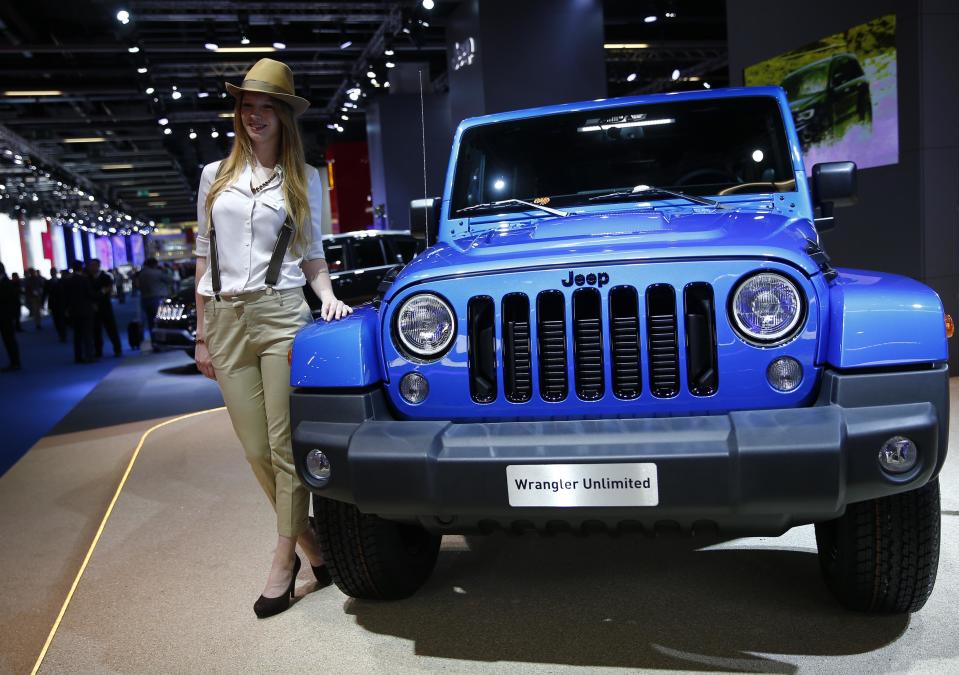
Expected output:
(203, 361)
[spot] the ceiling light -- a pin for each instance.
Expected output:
(675, 74)
(388, 52)
(33, 92)
(279, 45)
(93, 139)
(116, 167)
(167, 131)
(428, 4)
(626, 45)
(706, 85)
(214, 134)
(631, 77)
(212, 46)
(141, 70)
(245, 50)
(133, 50)
(370, 74)
(123, 16)
(386, 84)
(163, 121)
(230, 134)
(192, 135)
(150, 90)
(346, 44)
(390, 64)
(670, 15)
(176, 95)
(424, 24)
(90, 197)
(651, 18)
(345, 118)
(225, 115)
(202, 94)
(244, 40)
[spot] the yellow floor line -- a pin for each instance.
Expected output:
(96, 538)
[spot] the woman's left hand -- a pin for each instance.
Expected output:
(334, 309)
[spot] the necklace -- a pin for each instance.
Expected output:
(258, 188)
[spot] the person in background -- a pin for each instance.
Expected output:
(53, 293)
(103, 318)
(18, 284)
(80, 303)
(154, 286)
(121, 287)
(33, 292)
(9, 309)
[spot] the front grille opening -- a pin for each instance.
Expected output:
(701, 359)
(627, 369)
(551, 342)
(663, 341)
(482, 350)
(588, 343)
(517, 354)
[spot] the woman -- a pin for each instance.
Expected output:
(249, 299)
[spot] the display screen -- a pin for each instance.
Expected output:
(105, 252)
(842, 92)
(119, 251)
(136, 246)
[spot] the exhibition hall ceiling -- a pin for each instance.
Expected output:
(132, 106)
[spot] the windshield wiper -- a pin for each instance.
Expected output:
(647, 189)
(509, 202)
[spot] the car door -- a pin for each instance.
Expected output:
(369, 263)
(341, 273)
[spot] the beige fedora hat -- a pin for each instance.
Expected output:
(274, 78)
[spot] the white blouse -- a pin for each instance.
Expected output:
(247, 226)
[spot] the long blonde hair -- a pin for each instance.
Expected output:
(291, 160)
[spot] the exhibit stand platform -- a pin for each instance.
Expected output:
(170, 582)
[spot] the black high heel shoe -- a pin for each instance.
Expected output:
(322, 574)
(265, 606)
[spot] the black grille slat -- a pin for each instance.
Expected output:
(663, 341)
(701, 356)
(482, 349)
(517, 355)
(551, 339)
(624, 345)
(588, 344)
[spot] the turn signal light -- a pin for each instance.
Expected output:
(950, 326)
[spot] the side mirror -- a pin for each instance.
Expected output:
(425, 218)
(833, 184)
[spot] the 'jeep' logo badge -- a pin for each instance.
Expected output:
(591, 279)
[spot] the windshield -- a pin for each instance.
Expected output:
(808, 81)
(707, 147)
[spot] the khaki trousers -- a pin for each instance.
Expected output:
(249, 337)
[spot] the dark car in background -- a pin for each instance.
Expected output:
(358, 262)
(827, 93)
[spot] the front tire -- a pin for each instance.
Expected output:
(372, 558)
(883, 554)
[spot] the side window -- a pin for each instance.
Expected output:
(367, 252)
(844, 70)
(335, 255)
(404, 249)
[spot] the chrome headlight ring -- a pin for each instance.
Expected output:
(767, 309)
(424, 326)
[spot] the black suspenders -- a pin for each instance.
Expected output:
(276, 260)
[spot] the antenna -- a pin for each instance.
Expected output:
(426, 220)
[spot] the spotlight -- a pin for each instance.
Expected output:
(176, 95)
(675, 75)
(212, 46)
(150, 90)
(428, 4)
(650, 19)
(133, 50)
(141, 70)
(390, 64)
(631, 77)
(214, 134)
(345, 118)
(163, 121)
(230, 134)
(123, 16)
(192, 135)
(388, 52)
(244, 40)
(279, 45)
(346, 44)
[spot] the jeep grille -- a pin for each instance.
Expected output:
(588, 345)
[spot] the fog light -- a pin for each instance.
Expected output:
(784, 374)
(318, 466)
(898, 455)
(414, 388)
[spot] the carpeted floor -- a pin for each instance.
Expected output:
(171, 584)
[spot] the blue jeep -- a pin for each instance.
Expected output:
(625, 320)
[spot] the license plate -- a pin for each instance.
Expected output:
(582, 484)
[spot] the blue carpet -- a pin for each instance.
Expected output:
(39, 399)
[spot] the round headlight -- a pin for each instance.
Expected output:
(766, 308)
(425, 325)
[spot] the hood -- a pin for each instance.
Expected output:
(587, 239)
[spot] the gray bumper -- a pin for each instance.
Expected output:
(750, 471)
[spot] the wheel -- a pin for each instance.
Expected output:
(372, 558)
(883, 554)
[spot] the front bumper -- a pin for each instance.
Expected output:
(760, 471)
(172, 337)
